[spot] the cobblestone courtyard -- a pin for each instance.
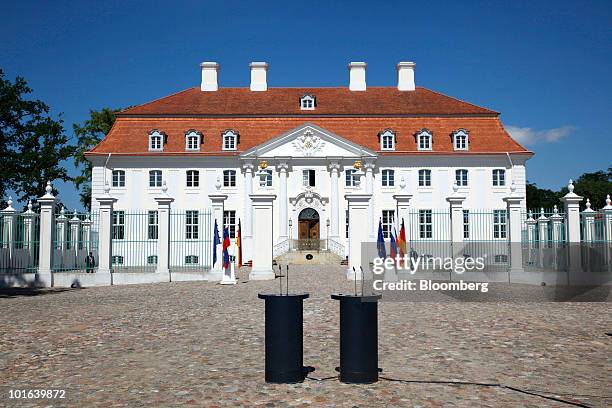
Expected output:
(201, 344)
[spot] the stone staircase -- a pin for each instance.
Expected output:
(309, 258)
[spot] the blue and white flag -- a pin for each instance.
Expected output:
(216, 241)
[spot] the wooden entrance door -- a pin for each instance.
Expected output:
(308, 228)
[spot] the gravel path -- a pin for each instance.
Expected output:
(201, 344)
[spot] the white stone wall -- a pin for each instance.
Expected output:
(480, 193)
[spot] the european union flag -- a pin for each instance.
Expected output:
(216, 241)
(380, 243)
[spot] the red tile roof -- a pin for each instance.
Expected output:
(130, 135)
(330, 101)
(260, 116)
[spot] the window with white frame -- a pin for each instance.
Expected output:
(388, 218)
(388, 178)
(424, 140)
(230, 140)
(387, 140)
(193, 140)
(466, 224)
(193, 178)
(155, 178)
(424, 178)
(460, 139)
(346, 224)
(192, 260)
(308, 178)
(229, 221)
(192, 226)
(350, 179)
(118, 178)
(499, 224)
(156, 141)
(118, 224)
(307, 102)
(425, 224)
(501, 258)
(153, 225)
(229, 178)
(461, 177)
(499, 177)
(268, 178)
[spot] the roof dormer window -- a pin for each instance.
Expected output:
(193, 140)
(461, 139)
(387, 139)
(424, 139)
(230, 140)
(308, 102)
(156, 141)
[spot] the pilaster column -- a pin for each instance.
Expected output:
(218, 205)
(607, 211)
(87, 234)
(588, 221)
(334, 169)
(455, 200)
(556, 221)
(164, 205)
(28, 232)
(358, 205)
(571, 203)
(542, 229)
(513, 206)
(247, 224)
(74, 223)
(369, 188)
(531, 231)
(262, 237)
(47, 229)
(8, 228)
(105, 249)
(62, 231)
(283, 168)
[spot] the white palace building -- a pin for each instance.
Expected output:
(211, 148)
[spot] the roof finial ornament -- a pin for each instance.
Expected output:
(570, 186)
(48, 188)
(530, 215)
(608, 202)
(555, 209)
(588, 204)
(30, 206)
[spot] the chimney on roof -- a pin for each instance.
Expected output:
(259, 72)
(357, 77)
(210, 71)
(405, 76)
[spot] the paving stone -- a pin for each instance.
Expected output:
(202, 344)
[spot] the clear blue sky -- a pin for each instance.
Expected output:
(545, 65)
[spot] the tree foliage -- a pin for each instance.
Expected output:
(33, 145)
(89, 134)
(594, 186)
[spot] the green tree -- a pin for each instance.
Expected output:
(594, 186)
(89, 134)
(540, 197)
(33, 145)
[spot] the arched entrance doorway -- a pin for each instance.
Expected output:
(308, 229)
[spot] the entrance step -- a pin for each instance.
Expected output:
(309, 257)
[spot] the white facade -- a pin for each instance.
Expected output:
(309, 147)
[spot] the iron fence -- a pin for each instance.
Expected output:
(19, 242)
(75, 242)
(191, 240)
(134, 245)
